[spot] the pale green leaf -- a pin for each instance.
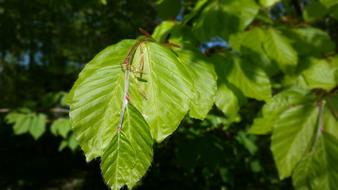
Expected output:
(61, 127)
(129, 154)
(95, 99)
(166, 85)
(38, 125)
(22, 124)
(278, 48)
(319, 74)
(158, 84)
(291, 137)
(72, 143)
(33, 123)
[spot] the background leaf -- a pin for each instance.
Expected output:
(247, 77)
(224, 18)
(61, 127)
(204, 82)
(319, 74)
(278, 48)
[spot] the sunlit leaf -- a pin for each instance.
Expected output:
(278, 48)
(129, 154)
(268, 3)
(204, 82)
(161, 31)
(228, 101)
(310, 41)
(319, 74)
(247, 77)
(250, 44)
(292, 137)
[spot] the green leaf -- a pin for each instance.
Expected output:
(247, 142)
(330, 123)
(278, 104)
(69, 142)
(268, 3)
(168, 87)
(310, 41)
(183, 37)
(247, 77)
(72, 143)
(97, 92)
(224, 18)
(33, 123)
(319, 74)
(21, 122)
(63, 145)
(329, 3)
(292, 136)
(168, 9)
(250, 45)
(319, 170)
(61, 127)
(129, 154)
(278, 48)
(158, 84)
(38, 125)
(229, 101)
(161, 31)
(104, 2)
(204, 82)
(334, 11)
(314, 11)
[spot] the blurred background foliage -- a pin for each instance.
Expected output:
(45, 43)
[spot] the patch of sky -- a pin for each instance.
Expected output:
(214, 42)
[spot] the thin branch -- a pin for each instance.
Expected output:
(297, 7)
(127, 63)
(4, 110)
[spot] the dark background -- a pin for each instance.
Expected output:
(43, 46)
